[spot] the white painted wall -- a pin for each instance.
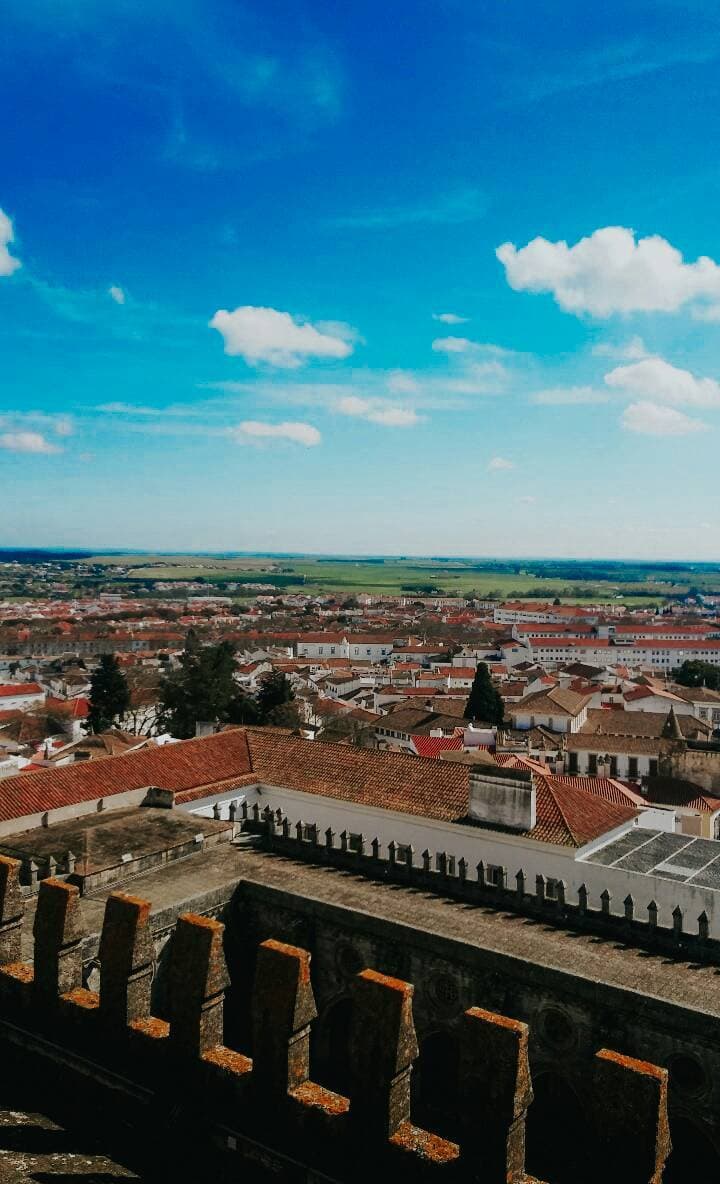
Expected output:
(512, 851)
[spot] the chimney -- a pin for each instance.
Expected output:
(204, 727)
(503, 798)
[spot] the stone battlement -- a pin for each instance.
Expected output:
(265, 1109)
(496, 886)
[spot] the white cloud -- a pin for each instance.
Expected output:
(653, 419)
(63, 426)
(377, 412)
(630, 351)
(500, 462)
(656, 379)
(27, 442)
(402, 383)
(610, 272)
(116, 294)
(8, 262)
(452, 345)
(449, 318)
(527, 500)
(568, 396)
(299, 433)
(267, 335)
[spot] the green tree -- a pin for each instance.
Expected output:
(484, 701)
(698, 674)
(203, 688)
(275, 690)
(109, 694)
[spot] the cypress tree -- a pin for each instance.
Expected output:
(484, 701)
(109, 694)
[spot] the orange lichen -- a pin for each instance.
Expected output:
(22, 971)
(80, 997)
(206, 922)
(631, 1064)
(227, 1059)
(424, 1143)
(385, 980)
(500, 1021)
(151, 1026)
(302, 957)
(137, 902)
(319, 1098)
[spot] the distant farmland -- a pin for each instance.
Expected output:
(568, 579)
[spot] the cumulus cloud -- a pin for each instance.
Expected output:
(568, 396)
(653, 419)
(377, 412)
(8, 262)
(611, 271)
(267, 335)
(656, 379)
(452, 345)
(116, 294)
(252, 429)
(27, 442)
(498, 463)
(449, 318)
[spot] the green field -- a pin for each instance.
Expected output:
(570, 580)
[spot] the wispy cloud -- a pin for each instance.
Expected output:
(27, 442)
(375, 411)
(613, 62)
(450, 318)
(569, 396)
(463, 205)
(8, 263)
(253, 431)
(500, 463)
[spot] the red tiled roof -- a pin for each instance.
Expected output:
(432, 746)
(186, 765)
(14, 690)
(566, 815)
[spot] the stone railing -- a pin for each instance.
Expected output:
(493, 885)
(177, 1080)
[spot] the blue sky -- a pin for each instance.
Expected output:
(404, 277)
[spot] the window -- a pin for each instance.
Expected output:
(401, 853)
(494, 875)
(355, 842)
(613, 766)
(572, 762)
(551, 889)
(632, 766)
(653, 768)
(592, 764)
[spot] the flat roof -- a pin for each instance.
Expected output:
(682, 858)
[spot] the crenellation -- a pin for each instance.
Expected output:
(12, 910)
(271, 1100)
(58, 940)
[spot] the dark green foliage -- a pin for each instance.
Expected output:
(698, 674)
(275, 690)
(203, 689)
(109, 694)
(484, 701)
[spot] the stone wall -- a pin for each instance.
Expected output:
(237, 1065)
